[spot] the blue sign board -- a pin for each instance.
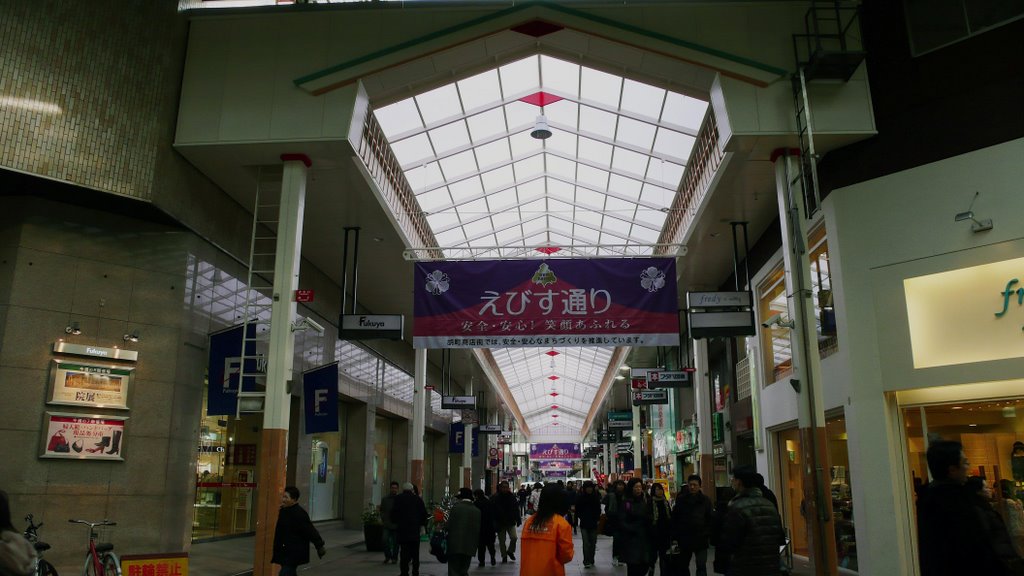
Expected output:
(223, 370)
(320, 397)
(457, 439)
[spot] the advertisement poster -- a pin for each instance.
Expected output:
(98, 386)
(560, 451)
(555, 302)
(83, 437)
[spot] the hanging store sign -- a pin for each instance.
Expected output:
(83, 437)
(608, 436)
(371, 327)
(458, 402)
(457, 439)
(558, 451)
(621, 419)
(720, 314)
(624, 448)
(490, 428)
(224, 368)
(95, 385)
(320, 398)
(505, 437)
(545, 465)
(650, 396)
(599, 302)
(667, 379)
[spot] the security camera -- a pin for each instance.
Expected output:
(307, 323)
(776, 320)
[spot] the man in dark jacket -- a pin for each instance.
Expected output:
(570, 504)
(752, 531)
(588, 512)
(293, 534)
(409, 515)
(691, 519)
(766, 491)
(506, 519)
(463, 533)
(951, 537)
(387, 505)
(613, 509)
(487, 528)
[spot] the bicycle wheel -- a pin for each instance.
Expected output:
(111, 564)
(45, 569)
(90, 568)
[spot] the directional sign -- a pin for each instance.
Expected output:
(608, 436)
(667, 379)
(621, 419)
(505, 437)
(645, 397)
(458, 402)
(624, 448)
(490, 428)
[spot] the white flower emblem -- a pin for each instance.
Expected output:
(652, 279)
(437, 282)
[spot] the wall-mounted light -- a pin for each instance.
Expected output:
(73, 328)
(132, 336)
(978, 225)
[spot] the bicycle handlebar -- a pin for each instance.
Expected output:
(92, 524)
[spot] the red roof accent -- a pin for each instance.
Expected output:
(554, 415)
(553, 394)
(548, 249)
(552, 377)
(542, 99)
(552, 353)
(537, 28)
(554, 407)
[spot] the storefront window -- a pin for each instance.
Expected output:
(381, 458)
(328, 454)
(990, 433)
(226, 475)
(791, 492)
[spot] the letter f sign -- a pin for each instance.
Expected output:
(1008, 293)
(319, 399)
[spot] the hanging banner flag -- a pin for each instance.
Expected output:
(223, 370)
(457, 439)
(545, 465)
(518, 303)
(560, 451)
(320, 397)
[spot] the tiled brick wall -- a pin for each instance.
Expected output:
(83, 89)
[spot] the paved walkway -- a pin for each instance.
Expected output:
(346, 554)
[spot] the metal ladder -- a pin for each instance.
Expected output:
(807, 176)
(259, 295)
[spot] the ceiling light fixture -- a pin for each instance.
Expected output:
(541, 131)
(72, 328)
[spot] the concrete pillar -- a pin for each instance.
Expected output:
(277, 405)
(467, 454)
(702, 404)
(358, 472)
(419, 414)
(806, 364)
(638, 442)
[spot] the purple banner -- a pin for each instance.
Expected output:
(545, 465)
(516, 303)
(557, 474)
(559, 451)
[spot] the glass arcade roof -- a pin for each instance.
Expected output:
(605, 179)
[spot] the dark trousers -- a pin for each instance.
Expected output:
(287, 570)
(589, 545)
(637, 569)
(409, 551)
(702, 561)
(458, 564)
(482, 547)
(617, 545)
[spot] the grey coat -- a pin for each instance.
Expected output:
(463, 528)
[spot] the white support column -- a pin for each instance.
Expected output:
(277, 406)
(702, 404)
(638, 441)
(419, 417)
(467, 455)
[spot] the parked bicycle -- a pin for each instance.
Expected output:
(100, 559)
(43, 568)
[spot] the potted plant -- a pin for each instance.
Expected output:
(373, 528)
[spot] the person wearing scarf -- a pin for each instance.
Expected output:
(661, 512)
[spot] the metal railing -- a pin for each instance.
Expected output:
(700, 170)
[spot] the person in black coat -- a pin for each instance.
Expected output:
(588, 513)
(506, 519)
(951, 536)
(487, 529)
(994, 526)
(691, 525)
(410, 515)
(766, 492)
(637, 529)
(293, 534)
(752, 531)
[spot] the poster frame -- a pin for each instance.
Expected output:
(82, 455)
(56, 372)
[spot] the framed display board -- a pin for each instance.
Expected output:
(95, 385)
(83, 437)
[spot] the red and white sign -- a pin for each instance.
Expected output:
(304, 295)
(83, 437)
(639, 384)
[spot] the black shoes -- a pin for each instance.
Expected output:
(512, 555)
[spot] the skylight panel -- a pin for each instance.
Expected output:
(532, 190)
(590, 217)
(508, 236)
(458, 165)
(684, 111)
(449, 137)
(522, 144)
(600, 87)
(639, 134)
(623, 186)
(452, 237)
(529, 168)
(642, 99)
(561, 76)
(502, 200)
(465, 189)
(657, 195)
(616, 226)
(564, 142)
(651, 218)
(520, 115)
(505, 219)
(561, 167)
(563, 112)
(434, 200)
(498, 178)
(562, 239)
(492, 154)
(606, 239)
(590, 198)
(592, 177)
(519, 77)
(597, 122)
(620, 208)
(398, 118)
(478, 227)
(413, 151)
(630, 162)
(439, 104)
(595, 152)
(559, 189)
(424, 176)
(442, 220)
(672, 143)
(535, 208)
(532, 226)
(472, 210)
(664, 171)
(645, 234)
(480, 90)
(486, 125)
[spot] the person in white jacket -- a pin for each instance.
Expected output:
(17, 556)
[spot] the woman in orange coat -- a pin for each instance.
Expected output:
(546, 541)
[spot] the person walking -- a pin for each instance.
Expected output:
(546, 540)
(487, 527)
(613, 502)
(752, 530)
(387, 505)
(691, 526)
(409, 515)
(534, 500)
(523, 494)
(661, 520)
(766, 491)
(17, 556)
(570, 503)
(588, 513)
(506, 519)
(463, 533)
(293, 534)
(637, 522)
(951, 536)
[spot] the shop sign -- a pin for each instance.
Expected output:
(555, 451)
(718, 450)
(320, 398)
(505, 437)
(457, 439)
(490, 428)
(83, 437)
(686, 439)
(556, 302)
(608, 436)
(304, 295)
(95, 351)
(94, 385)
(171, 564)
(621, 419)
(225, 365)
(371, 326)
(624, 448)
(458, 402)
(648, 397)
(717, 427)
(668, 379)
(242, 454)
(720, 314)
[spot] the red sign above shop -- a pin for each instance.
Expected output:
(304, 295)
